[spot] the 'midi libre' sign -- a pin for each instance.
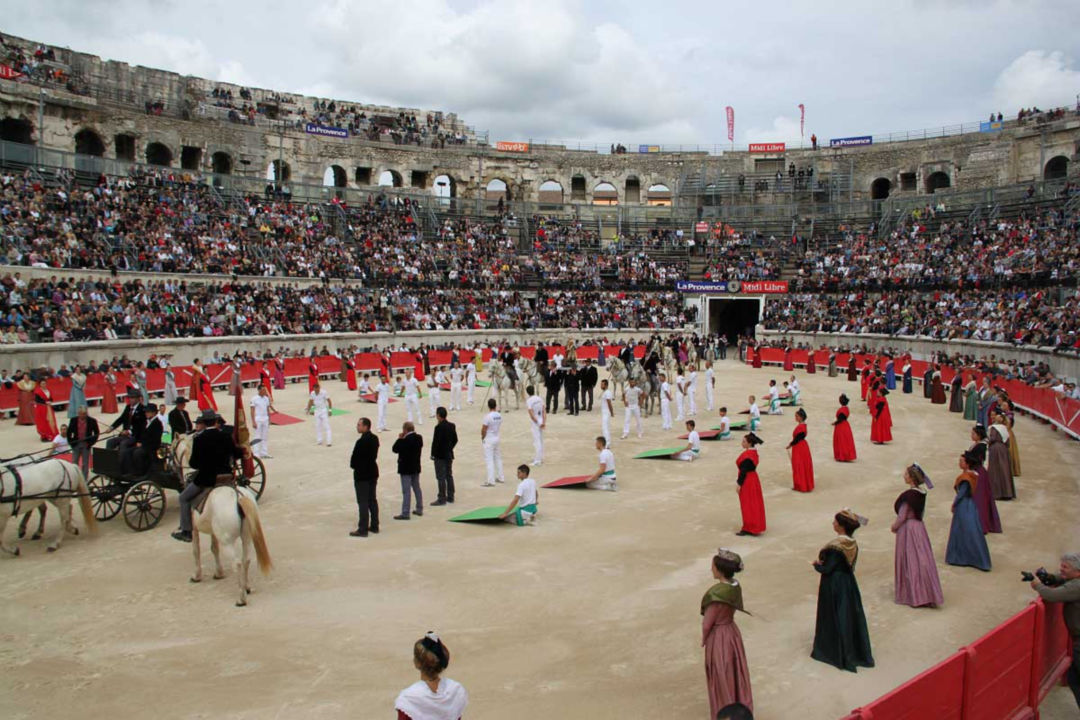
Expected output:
(732, 287)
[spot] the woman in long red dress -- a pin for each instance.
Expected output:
(756, 353)
(312, 375)
(265, 380)
(843, 440)
(811, 363)
(26, 401)
(751, 501)
(108, 397)
(865, 383)
(200, 388)
(350, 374)
(937, 390)
(44, 417)
(727, 674)
(881, 425)
(789, 364)
(802, 463)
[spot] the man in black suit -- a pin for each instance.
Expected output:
(541, 357)
(408, 447)
(442, 453)
(365, 466)
(179, 420)
(82, 433)
(146, 449)
(588, 380)
(552, 382)
(212, 453)
(127, 419)
(572, 384)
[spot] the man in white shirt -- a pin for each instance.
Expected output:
(793, 388)
(457, 376)
(412, 397)
(321, 403)
(755, 414)
(725, 425)
(557, 358)
(693, 443)
(604, 477)
(365, 385)
(607, 410)
(710, 386)
(261, 407)
(680, 393)
(489, 436)
(522, 509)
(537, 422)
(382, 397)
(632, 399)
(665, 402)
(774, 399)
(470, 380)
(435, 382)
(691, 391)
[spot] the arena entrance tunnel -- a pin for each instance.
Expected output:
(732, 317)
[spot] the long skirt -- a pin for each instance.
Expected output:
(971, 406)
(843, 442)
(997, 465)
(1014, 454)
(752, 504)
(279, 378)
(956, 399)
(915, 573)
(989, 519)
(45, 420)
(727, 673)
(881, 429)
(108, 400)
(937, 393)
(170, 390)
(26, 408)
(802, 468)
(76, 400)
(967, 546)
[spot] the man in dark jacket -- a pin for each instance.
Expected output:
(365, 467)
(570, 400)
(442, 453)
(408, 447)
(588, 379)
(179, 420)
(541, 357)
(146, 449)
(82, 433)
(552, 382)
(212, 453)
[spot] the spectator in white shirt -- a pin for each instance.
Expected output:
(320, 402)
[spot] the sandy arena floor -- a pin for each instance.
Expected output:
(591, 613)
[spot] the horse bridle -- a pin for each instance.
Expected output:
(17, 497)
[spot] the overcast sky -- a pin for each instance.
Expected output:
(605, 71)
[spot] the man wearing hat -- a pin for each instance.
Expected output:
(179, 420)
(146, 448)
(212, 454)
(132, 424)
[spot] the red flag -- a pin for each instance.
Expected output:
(241, 436)
(730, 124)
(802, 119)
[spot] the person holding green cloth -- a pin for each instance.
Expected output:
(522, 509)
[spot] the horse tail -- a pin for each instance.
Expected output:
(251, 516)
(85, 506)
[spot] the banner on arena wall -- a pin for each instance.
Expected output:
(701, 227)
(9, 73)
(767, 147)
(852, 141)
(730, 124)
(703, 286)
(504, 146)
(326, 130)
(991, 126)
(648, 148)
(765, 286)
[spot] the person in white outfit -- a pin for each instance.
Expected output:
(691, 391)
(755, 414)
(665, 402)
(537, 422)
(604, 477)
(261, 407)
(693, 443)
(725, 425)
(470, 381)
(435, 382)
(382, 396)
(457, 377)
(489, 436)
(364, 388)
(607, 410)
(320, 402)
(774, 399)
(680, 393)
(523, 508)
(632, 400)
(794, 389)
(412, 397)
(557, 358)
(710, 386)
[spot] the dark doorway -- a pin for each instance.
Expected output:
(221, 163)
(937, 181)
(17, 130)
(190, 157)
(577, 188)
(879, 189)
(418, 179)
(158, 154)
(1056, 168)
(633, 190)
(732, 318)
(125, 147)
(88, 142)
(363, 176)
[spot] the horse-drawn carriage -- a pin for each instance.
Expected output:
(142, 497)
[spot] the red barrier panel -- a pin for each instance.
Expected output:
(1001, 682)
(936, 693)
(1055, 647)
(588, 352)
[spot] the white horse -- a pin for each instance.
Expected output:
(25, 487)
(619, 375)
(530, 373)
(500, 383)
(231, 515)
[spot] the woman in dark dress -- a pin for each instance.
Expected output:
(1001, 480)
(843, 441)
(927, 380)
(907, 379)
(984, 498)
(852, 372)
(967, 546)
(956, 395)
(937, 389)
(751, 501)
(840, 636)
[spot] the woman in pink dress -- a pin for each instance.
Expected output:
(727, 674)
(915, 572)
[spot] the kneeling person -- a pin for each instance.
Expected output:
(693, 443)
(522, 509)
(604, 477)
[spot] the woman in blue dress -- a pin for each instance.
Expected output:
(77, 399)
(890, 374)
(967, 545)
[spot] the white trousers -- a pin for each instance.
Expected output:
(665, 413)
(679, 406)
(455, 396)
(433, 399)
(380, 423)
(412, 409)
(493, 460)
(632, 412)
(687, 455)
(471, 387)
(708, 397)
(262, 434)
(538, 443)
(322, 427)
(604, 482)
(605, 427)
(692, 400)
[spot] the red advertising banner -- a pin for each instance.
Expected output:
(765, 286)
(9, 73)
(519, 147)
(701, 227)
(767, 147)
(730, 124)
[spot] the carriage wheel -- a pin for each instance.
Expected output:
(257, 482)
(106, 497)
(144, 505)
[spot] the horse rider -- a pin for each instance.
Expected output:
(508, 356)
(627, 355)
(212, 454)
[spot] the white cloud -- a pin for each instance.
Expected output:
(1037, 77)
(783, 129)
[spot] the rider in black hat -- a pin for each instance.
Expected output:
(212, 454)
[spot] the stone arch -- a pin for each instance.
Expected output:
(88, 142)
(335, 176)
(497, 189)
(632, 190)
(221, 163)
(389, 178)
(604, 193)
(880, 188)
(659, 195)
(444, 186)
(550, 191)
(577, 188)
(18, 130)
(937, 181)
(1056, 168)
(278, 171)
(158, 154)
(124, 146)
(362, 176)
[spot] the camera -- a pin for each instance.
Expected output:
(1044, 577)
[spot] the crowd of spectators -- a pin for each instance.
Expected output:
(738, 256)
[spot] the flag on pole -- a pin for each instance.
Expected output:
(730, 124)
(241, 436)
(802, 119)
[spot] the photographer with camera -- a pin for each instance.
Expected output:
(1065, 589)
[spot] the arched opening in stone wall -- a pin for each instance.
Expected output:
(362, 176)
(497, 189)
(444, 188)
(1056, 168)
(390, 178)
(577, 189)
(880, 189)
(418, 179)
(88, 142)
(190, 157)
(605, 194)
(124, 145)
(335, 176)
(278, 171)
(221, 163)
(158, 154)
(632, 193)
(659, 195)
(550, 192)
(937, 181)
(17, 130)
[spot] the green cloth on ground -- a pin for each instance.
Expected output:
(659, 452)
(338, 411)
(484, 514)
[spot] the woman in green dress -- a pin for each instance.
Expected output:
(971, 401)
(841, 637)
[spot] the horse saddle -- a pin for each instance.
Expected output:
(224, 480)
